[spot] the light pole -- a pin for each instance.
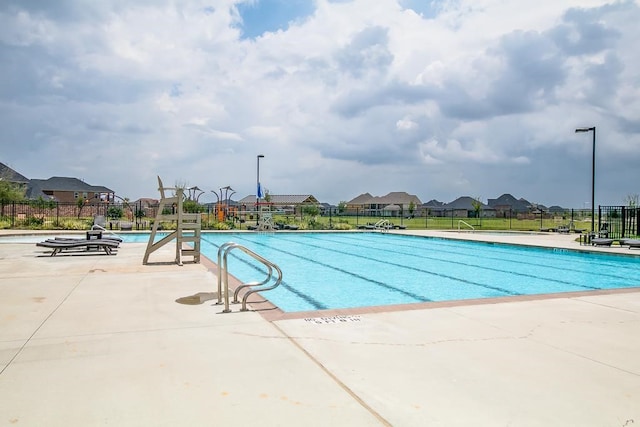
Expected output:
(593, 175)
(260, 156)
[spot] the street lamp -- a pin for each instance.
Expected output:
(593, 175)
(258, 189)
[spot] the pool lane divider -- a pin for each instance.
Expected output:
(416, 297)
(482, 267)
(317, 305)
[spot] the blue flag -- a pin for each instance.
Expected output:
(260, 195)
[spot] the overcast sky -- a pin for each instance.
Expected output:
(440, 99)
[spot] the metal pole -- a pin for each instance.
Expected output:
(593, 180)
(593, 175)
(258, 187)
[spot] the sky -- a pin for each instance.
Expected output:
(439, 99)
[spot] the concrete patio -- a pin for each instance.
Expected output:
(100, 340)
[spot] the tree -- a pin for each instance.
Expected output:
(477, 205)
(412, 207)
(41, 203)
(114, 212)
(11, 192)
(311, 210)
(191, 206)
(342, 206)
(80, 203)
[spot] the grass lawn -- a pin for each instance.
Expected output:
(435, 223)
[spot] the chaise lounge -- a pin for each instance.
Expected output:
(79, 245)
(601, 242)
(632, 243)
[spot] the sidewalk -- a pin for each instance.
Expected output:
(100, 340)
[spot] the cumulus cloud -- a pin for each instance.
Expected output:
(470, 97)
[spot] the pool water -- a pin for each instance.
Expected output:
(346, 270)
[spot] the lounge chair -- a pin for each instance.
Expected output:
(81, 244)
(632, 243)
(601, 242)
(100, 221)
(79, 239)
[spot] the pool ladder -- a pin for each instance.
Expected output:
(382, 225)
(223, 276)
(467, 224)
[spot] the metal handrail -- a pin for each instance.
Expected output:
(104, 230)
(381, 225)
(465, 223)
(223, 252)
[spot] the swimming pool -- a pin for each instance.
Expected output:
(348, 270)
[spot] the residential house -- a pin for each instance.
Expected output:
(60, 189)
(394, 204)
(465, 207)
(507, 206)
(65, 189)
(288, 204)
(433, 208)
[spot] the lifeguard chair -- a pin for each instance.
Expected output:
(188, 226)
(265, 220)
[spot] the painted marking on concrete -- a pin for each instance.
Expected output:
(333, 319)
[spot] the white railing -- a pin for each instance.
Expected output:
(382, 225)
(465, 223)
(104, 230)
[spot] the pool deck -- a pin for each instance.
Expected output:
(100, 340)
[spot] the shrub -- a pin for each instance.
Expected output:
(221, 226)
(114, 212)
(73, 224)
(33, 222)
(341, 226)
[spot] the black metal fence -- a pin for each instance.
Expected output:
(41, 214)
(618, 222)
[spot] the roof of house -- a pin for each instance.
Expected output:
(465, 202)
(556, 209)
(433, 204)
(392, 208)
(8, 174)
(516, 205)
(37, 187)
(62, 183)
(395, 197)
(145, 201)
(361, 199)
(279, 199)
